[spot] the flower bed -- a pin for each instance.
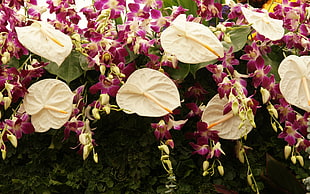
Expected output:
(154, 97)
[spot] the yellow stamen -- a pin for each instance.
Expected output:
(304, 80)
(50, 36)
(53, 108)
(156, 101)
(225, 118)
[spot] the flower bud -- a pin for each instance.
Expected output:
(164, 148)
(287, 151)
(95, 112)
(220, 170)
(169, 164)
(76, 37)
(115, 70)
(86, 150)
(5, 57)
(95, 157)
(12, 139)
(272, 111)
(85, 138)
(102, 69)
(3, 153)
(227, 38)
(7, 102)
(274, 126)
(164, 157)
(300, 160)
(293, 159)
(106, 109)
(241, 156)
(205, 173)
(205, 165)
(104, 99)
(235, 107)
(249, 179)
(265, 95)
(242, 115)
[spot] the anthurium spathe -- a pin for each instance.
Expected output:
(44, 40)
(294, 72)
(263, 24)
(49, 102)
(148, 92)
(227, 125)
(191, 42)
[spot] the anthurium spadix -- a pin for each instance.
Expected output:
(148, 92)
(44, 40)
(263, 24)
(228, 124)
(49, 102)
(294, 72)
(191, 42)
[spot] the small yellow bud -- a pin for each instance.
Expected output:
(227, 38)
(12, 139)
(300, 160)
(249, 179)
(5, 57)
(205, 165)
(235, 107)
(164, 148)
(169, 164)
(104, 99)
(205, 173)
(86, 150)
(164, 157)
(115, 70)
(274, 126)
(102, 69)
(220, 170)
(95, 157)
(265, 95)
(95, 112)
(7, 102)
(107, 109)
(293, 159)
(76, 37)
(242, 115)
(287, 151)
(241, 156)
(3, 153)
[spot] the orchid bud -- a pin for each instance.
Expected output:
(205, 173)
(104, 99)
(115, 69)
(242, 115)
(164, 157)
(1, 97)
(300, 160)
(12, 139)
(5, 57)
(95, 112)
(164, 148)
(168, 162)
(7, 102)
(220, 170)
(102, 69)
(287, 151)
(249, 179)
(265, 95)
(293, 159)
(76, 37)
(274, 126)
(86, 150)
(3, 153)
(85, 138)
(205, 165)
(241, 155)
(235, 107)
(95, 157)
(272, 111)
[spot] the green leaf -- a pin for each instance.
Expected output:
(238, 36)
(280, 177)
(274, 59)
(180, 73)
(187, 4)
(195, 67)
(70, 69)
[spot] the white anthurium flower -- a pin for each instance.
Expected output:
(294, 72)
(148, 92)
(191, 42)
(44, 40)
(263, 24)
(228, 124)
(49, 102)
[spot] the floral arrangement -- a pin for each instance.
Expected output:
(137, 57)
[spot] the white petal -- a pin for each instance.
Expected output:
(135, 96)
(228, 129)
(53, 93)
(37, 38)
(292, 71)
(263, 24)
(188, 41)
